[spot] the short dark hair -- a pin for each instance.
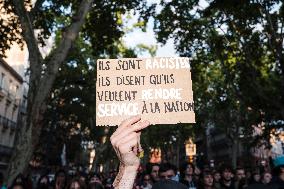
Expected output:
(149, 167)
(95, 185)
(183, 167)
(168, 184)
(167, 166)
(206, 172)
(225, 167)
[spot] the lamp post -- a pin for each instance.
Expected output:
(190, 149)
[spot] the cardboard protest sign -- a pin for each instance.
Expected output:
(158, 89)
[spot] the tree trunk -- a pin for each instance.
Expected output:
(25, 142)
(40, 84)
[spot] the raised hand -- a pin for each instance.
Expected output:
(126, 143)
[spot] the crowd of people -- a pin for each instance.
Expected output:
(188, 175)
(132, 175)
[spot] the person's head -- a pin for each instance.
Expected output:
(226, 173)
(153, 170)
(207, 178)
(240, 173)
(186, 169)
(95, 186)
(95, 178)
(76, 183)
(146, 179)
(216, 176)
(266, 177)
(61, 178)
(256, 176)
(19, 182)
(248, 174)
(43, 182)
(167, 171)
(83, 177)
(17, 186)
(19, 178)
(168, 184)
(197, 173)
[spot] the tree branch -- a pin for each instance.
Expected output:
(58, 55)
(30, 39)
(36, 7)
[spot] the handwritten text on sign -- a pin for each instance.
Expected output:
(158, 89)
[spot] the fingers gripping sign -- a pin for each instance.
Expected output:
(126, 140)
(126, 143)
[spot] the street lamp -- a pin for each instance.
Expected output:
(190, 149)
(155, 155)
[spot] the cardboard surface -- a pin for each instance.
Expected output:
(158, 89)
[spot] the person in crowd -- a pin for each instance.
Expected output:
(60, 181)
(18, 186)
(21, 181)
(186, 173)
(248, 174)
(168, 184)
(255, 178)
(207, 180)
(83, 177)
(95, 178)
(197, 173)
(168, 171)
(226, 178)
(278, 172)
(263, 183)
(76, 183)
(217, 178)
(153, 170)
(240, 178)
(2, 186)
(95, 185)
(266, 178)
(146, 181)
(43, 182)
(240, 173)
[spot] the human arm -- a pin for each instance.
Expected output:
(126, 143)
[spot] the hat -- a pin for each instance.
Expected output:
(278, 161)
(168, 184)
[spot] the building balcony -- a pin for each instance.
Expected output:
(16, 103)
(2, 93)
(6, 150)
(7, 123)
(4, 122)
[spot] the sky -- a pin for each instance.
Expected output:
(137, 36)
(148, 38)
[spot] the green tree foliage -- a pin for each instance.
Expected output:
(237, 51)
(246, 37)
(99, 25)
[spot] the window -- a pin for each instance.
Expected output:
(10, 87)
(17, 90)
(2, 80)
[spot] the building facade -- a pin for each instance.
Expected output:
(12, 107)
